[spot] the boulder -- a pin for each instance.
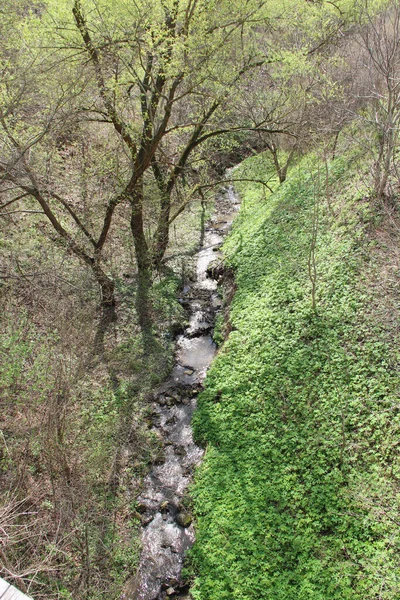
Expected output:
(183, 519)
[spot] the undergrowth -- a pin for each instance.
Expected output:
(298, 496)
(75, 441)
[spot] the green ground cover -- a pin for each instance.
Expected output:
(298, 496)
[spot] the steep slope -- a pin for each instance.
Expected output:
(298, 496)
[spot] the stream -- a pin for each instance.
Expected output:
(168, 531)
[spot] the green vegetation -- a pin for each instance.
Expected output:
(118, 122)
(299, 492)
(74, 441)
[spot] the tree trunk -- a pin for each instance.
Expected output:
(107, 317)
(108, 313)
(161, 236)
(143, 260)
(280, 171)
(106, 285)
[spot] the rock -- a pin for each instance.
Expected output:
(146, 519)
(216, 269)
(180, 451)
(170, 591)
(160, 459)
(217, 303)
(183, 519)
(176, 328)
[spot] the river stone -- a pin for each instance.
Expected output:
(180, 451)
(183, 519)
(146, 519)
(172, 399)
(216, 269)
(176, 328)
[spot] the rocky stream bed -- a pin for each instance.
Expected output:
(168, 530)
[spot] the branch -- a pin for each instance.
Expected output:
(107, 220)
(196, 137)
(119, 125)
(232, 129)
(193, 142)
(15, 212)
(74, 216)
(198, 188)
(24, 195)
(35, 192)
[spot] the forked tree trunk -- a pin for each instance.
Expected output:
(280, 171)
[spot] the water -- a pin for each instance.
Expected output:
(168, 531)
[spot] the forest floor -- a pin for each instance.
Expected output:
(75, 428)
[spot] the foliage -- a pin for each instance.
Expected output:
(114, 116)
(298, 493)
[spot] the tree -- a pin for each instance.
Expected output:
(304, 92)
(34, 121)
(380, 41)
(157, 87)
(161, 86)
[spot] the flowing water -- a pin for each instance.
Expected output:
(167, 528)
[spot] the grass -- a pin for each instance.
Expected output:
(298, 496)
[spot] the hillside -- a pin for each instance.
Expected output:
(298, 495)
(130, 133)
